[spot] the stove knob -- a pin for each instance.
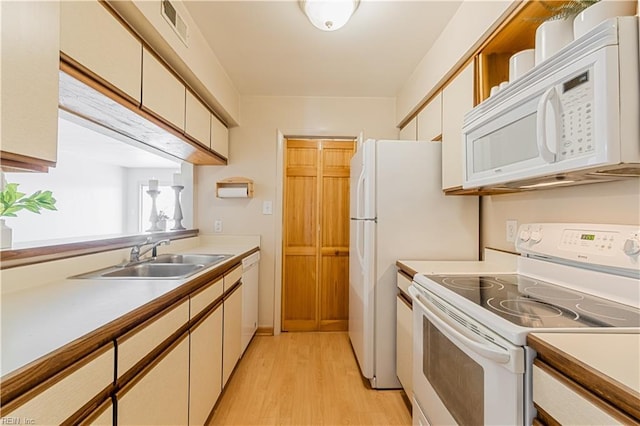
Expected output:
(631, 246)
(525, 235)
(536, 236)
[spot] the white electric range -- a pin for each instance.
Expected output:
(471, 361)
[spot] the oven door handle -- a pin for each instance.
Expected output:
(455, 333)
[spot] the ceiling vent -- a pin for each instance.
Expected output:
(175, 20)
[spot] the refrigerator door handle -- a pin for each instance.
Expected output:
(359, 224)
(359, 196)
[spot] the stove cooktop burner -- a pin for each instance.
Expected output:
(534, 303)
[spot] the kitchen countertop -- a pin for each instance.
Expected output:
(495, 262)
(606, 364)
(40, 321)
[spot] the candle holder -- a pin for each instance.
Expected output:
(177, 210)
(153, 218)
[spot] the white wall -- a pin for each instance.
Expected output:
(253, 153)
(90, 200)
(473, 21)
(611, 202)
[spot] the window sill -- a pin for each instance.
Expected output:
(44, 251)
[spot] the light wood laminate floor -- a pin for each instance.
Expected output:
(305, 379)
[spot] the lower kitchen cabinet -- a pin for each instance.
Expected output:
(232, 345)
(61, 398)
(160, 393)
(404, 344)
(205, 372)
(586, 378)
(404, 335)
(101, 416)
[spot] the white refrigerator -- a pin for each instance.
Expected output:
(398, 211)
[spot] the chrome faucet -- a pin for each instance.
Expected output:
(136, 253)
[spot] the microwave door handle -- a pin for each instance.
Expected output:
(549, 98)
(453, 333)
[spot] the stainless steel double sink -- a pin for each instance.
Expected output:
(165, 266)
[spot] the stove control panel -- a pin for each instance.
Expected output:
(609, 246)
(597, 242)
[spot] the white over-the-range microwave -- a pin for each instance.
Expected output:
(572, 119)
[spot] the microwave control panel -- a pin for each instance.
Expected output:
(576, 97)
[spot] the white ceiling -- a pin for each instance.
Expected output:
(270, 48)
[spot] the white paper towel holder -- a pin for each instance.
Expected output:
(235, 182)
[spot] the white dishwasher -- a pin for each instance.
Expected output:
(250, 279)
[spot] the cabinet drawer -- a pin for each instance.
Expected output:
(232, 277)
(60, 397)
(219, 137)
(139, 342)
(203, 298)
(568, 403)
(197, 120)
(162, 93)
(90, 35)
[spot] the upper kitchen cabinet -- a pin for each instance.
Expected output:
(29, 78)
(430, 120)
(219, 137)
(163, 94)
(517, 33)
(92, 38)
(457, 100)
(197, 120)
(409, 131)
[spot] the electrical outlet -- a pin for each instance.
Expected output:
(512, 229)
(217, 226)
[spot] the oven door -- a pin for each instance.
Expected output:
(463, 373)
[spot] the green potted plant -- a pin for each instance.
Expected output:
(12, 201)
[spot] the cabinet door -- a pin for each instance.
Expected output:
(457, 100)
(102, 416)
(219, 137)
(160, 394)
(90, 35)
(162, 93)
(404, 344)
(205, 371)
(232, 347)
(29, 78)
(197, 120)
(68, 391)
(409, 131)
(430, 120)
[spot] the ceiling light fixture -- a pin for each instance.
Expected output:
(329, 15)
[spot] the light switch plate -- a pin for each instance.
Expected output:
(267, 207)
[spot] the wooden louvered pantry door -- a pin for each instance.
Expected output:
(315, 290)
